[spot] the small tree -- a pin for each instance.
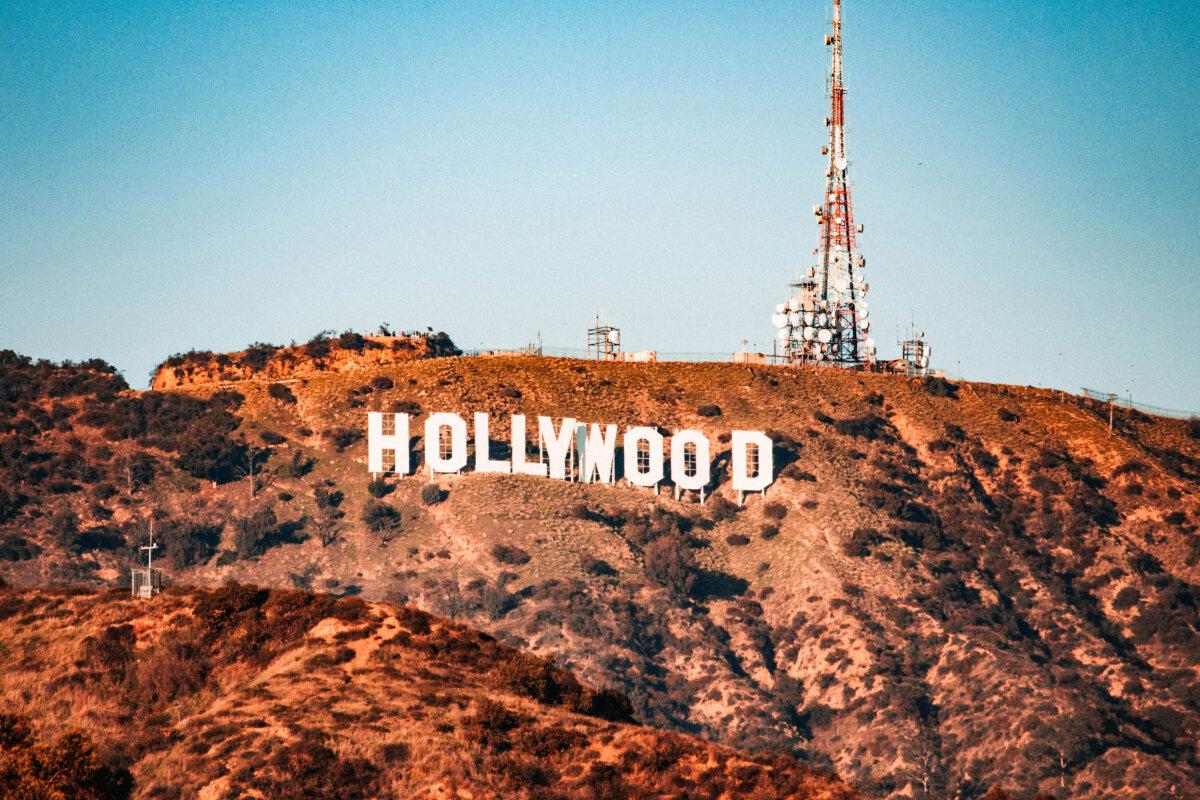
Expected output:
(328, 524)
(669, 561)
(922, 752)
(1066, 740)
(252, 534)
(381, 519)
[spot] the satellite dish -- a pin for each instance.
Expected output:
(866, 326)
(793, 304)
(866, 287)
(781, 308)
(870, 343)
(824, 335)
(614, 336)
(862, 305)
(793, 319)
(818, 355)
(779, 320)
(840, 163)
(809, 333)
(808, 304)
(808, 318)
(822, 320)
(783, 334)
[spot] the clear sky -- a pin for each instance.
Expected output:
(184, 175)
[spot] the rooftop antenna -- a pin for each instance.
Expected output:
(825, 319)
(147, 582)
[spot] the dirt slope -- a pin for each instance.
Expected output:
(245, 693)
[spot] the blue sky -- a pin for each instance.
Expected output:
(176, 176)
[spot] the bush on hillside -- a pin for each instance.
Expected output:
(271, 438)
(70, 766)
(379, 487)
(596, 567)
(281, 393)
(381, 518)
(188, 543)
(775, 511)
(509, 554)
(432, 494)
(349, 340)
(341, 438)
(708, 410)
(297, 466)
(940, 387)
(1193, 427)
(669, 562)
(440, 345)
(319, 346)
(257, 355)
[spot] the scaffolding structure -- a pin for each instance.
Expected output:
(603, 341)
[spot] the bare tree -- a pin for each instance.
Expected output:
(1066, 740)
(328, 524)
(926, 772)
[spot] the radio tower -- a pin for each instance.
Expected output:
(825, 319)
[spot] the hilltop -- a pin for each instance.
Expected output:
(323, 352)
(950, 587)
(243, 692)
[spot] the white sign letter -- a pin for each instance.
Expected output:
(378, 441)
(653, 474)
(702, 467)
(743, 441)
(557, 444)
(457, 458)
(483, 457)
(597, 455)
(519, 465)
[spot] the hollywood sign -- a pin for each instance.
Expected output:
(570, 451)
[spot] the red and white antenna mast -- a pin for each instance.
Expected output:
(825, 319)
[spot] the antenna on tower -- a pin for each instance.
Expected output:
(147, 582)
(825, 319)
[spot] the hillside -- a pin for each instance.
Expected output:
(322, 353)
(949, 587)
(247, 693)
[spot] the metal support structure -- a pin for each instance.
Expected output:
(825, 319)
(604, 341)
(146, 582)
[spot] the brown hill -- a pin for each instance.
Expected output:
(247, 693)
(949, 586)
(323, 353)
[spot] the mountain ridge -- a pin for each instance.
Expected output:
(935, 560)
